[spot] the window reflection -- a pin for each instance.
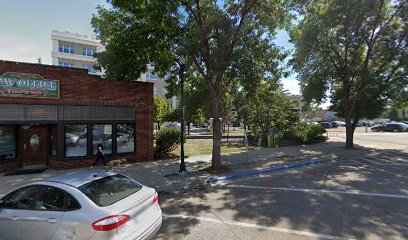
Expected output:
(103, 131)
(76, 140)
(125, 138)
(7, 142)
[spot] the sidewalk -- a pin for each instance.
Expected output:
(163, 174)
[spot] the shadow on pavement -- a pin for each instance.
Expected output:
(351, 216)
(362, 217)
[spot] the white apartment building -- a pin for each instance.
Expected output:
(77, 50)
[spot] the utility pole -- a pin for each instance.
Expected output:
(182, 62)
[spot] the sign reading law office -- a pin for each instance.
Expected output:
(28, 86)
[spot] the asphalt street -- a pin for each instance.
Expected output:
(396, 139)
(360, 198)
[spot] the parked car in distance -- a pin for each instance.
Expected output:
(326, 124)
(334, 125)
(367, 123)
(391, 127)
(173, 125)
(85, 204)
(340, 123)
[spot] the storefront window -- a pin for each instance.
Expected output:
(103, 131)
(76, 140)
(7, 143)
(125, 138)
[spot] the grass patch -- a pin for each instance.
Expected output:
(205, 148)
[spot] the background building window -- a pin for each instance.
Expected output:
(102, 131)
(151, 76)
(125, 136)
(76, 140)
(66, 49)
(89, 67)
(7, 143)
(88, 52)
(65, 64)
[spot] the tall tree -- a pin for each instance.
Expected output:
(161, 110)
(357, 49)
(197, 99)
(223, 41)
(268, 107)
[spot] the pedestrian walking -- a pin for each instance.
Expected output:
(99, 153)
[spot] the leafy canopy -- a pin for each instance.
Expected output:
(268, 107)
(161, 110)
(357, 50)
(225, 43)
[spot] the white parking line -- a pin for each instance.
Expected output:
(382, 163)
(394, 174)
(388, 159)
(262, 227)
(353, 192)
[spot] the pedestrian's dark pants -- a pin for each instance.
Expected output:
(98, 157)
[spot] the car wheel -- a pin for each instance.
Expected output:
(395, 130)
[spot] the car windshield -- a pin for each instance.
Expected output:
(109, 190)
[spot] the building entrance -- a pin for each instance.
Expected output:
(35, 143)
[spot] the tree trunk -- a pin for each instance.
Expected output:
(216, 152)
(349, 133)
(349, 137)
(158, 126)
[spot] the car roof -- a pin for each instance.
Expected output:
(80, 177)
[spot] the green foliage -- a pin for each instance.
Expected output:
(226, 43)
(167, 140)
(269, 107)
(356, 50)
(303, 132)
(394, 114)
(161, 110)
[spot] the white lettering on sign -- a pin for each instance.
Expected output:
(6, 81)
(25, 83)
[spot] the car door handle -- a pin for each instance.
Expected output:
(15, 218)
(52, 220)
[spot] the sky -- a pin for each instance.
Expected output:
(26, 27)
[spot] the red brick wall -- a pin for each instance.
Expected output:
(77, 87)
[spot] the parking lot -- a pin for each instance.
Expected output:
(365, 197)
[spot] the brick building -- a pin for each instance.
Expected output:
(54, 116)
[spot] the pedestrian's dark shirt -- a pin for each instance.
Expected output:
(100, 145)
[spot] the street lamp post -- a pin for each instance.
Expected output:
(182, 62)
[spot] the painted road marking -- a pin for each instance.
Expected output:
(262, 227)
(394, 174)
(387, 164)
(352, 192)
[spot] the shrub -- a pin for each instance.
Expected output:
(303, 132)
(167, 140)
